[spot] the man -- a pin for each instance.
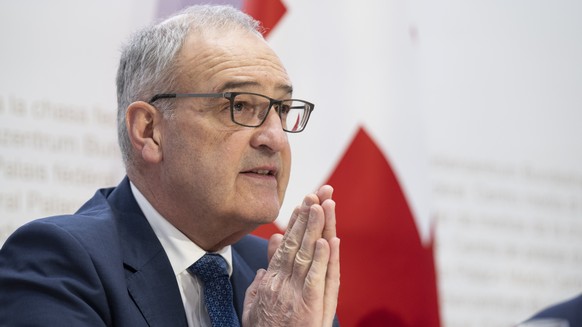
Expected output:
(203, 125)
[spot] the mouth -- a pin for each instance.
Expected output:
(261, 171)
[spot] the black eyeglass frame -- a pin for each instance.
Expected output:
(230, 97)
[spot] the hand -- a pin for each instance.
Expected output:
(301, 285)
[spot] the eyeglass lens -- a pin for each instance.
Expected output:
(251, 110)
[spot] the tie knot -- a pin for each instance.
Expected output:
(210, 267)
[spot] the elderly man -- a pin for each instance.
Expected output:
(204, 111)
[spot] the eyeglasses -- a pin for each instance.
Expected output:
(251, 109)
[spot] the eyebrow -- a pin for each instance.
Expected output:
(238, 85)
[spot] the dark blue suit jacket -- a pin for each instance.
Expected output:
(102, 266)
(570, 310)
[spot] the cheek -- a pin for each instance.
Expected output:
(220, 154)
(190, 148)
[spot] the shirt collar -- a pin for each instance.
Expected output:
(181, 251)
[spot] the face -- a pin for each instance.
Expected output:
(218, 173)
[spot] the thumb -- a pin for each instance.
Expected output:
(274, 243)
(250, 295)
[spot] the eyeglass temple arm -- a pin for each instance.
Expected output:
(162, 96)
(188, 95)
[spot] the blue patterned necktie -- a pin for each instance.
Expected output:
(212, 271)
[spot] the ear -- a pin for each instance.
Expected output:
(143, 125)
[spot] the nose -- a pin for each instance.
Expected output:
(270, 134)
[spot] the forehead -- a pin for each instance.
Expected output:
(216, 60)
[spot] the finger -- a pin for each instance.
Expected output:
(251, 294)
(324, 193)
(329, 232)
(313, 232)
(332, 283)
(274, 243)
(293, 217)
(314, 286)
(288, 248)
(308, 201)
(251, 291)
(282, 259)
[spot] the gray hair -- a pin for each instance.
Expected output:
(148, 61)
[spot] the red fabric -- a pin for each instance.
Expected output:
(268, 12)
(267, 230)
(388, 276)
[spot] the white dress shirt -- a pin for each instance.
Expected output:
(182, 253)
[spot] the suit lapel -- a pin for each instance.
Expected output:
(157, 297)
(150, 279)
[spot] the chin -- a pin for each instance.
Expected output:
(265, 210)
(265, 218)
(261, 218)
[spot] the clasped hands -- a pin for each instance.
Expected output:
(301, 285)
